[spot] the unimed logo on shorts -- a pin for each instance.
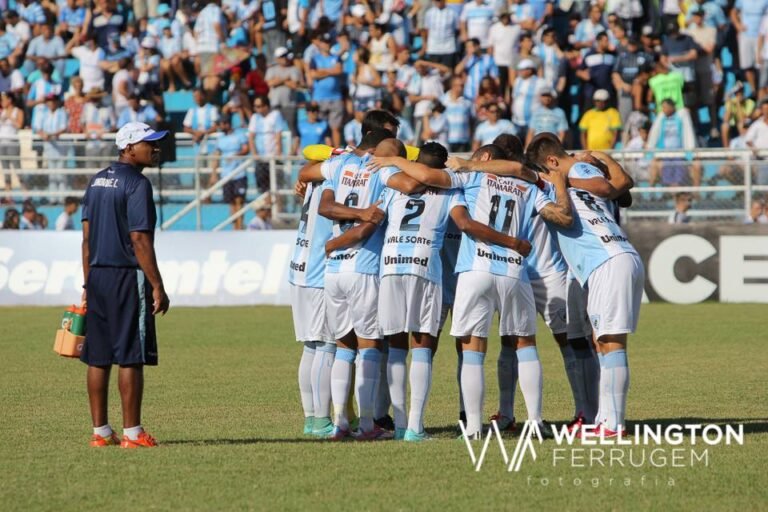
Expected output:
(647, 446)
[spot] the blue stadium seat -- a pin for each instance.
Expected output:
(178, 101)
(71, 68)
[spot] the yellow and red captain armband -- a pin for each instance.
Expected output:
(322, 152)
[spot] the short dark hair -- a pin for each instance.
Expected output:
(601, 35)
(71, 200)
(373, 137)
(376, 119)
(511, 145)
(433, 154)
(475, 41)
(544, 145)
(669, 101)
(493, 151)
(264, 99)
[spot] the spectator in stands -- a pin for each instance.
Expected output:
(29, 220)
(65, 221)
(202, 119)
(550, 55)
(738, 110)
(548, 117)
(488, 94)
(265, 138)
(262, 221)
(148, 65)
(314, 130)
(11, 220)
(19, 27)
(522, 14)
(49, 122)
(44, 86)
(597, 70)
(382, 48)
(231, 146)
(439, 32)
(524, 52)
(525, 96)
(673, 130)
(365, 82)
(97, 119)
(488, 130)
(705, 39)
(92, 63)
(284, 80)
(756, 138)
(639, 167)
(586, 32)
(210, 34)
(746, 16)
(49, 46)
(502, 40)
(138, 111)
(106, 21)
(600, 126)
(11, 80)
(435, 125)
(71, 20)
(426, 86)
(11, 121)
(123, 86)
(679, 52)
(476, 19)
(626, 70)
(172, 61)
(10, 45)
(475, 66)
(353, 130)
(683, 202)
(758, 213)
(268, 29)
(666, 84)
(458, 114)
(74, 102)
(324, 76)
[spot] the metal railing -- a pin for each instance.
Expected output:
(723, 183)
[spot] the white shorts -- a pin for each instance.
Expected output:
(747, 51)
(309, 319)
(576, 314)
(615, 294)
(409, 304)
(352, 303)
(479, 295)
(549, 292)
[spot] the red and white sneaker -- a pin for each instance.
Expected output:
(339, 434)
(377, 434)
(576, 423)
(602, 432)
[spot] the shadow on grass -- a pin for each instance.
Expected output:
(243, 441)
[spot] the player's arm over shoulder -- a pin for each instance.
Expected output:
(589, 178)
(486, 234)
(350, 237)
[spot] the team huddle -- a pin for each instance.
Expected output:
(387, 246)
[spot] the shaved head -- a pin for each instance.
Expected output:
(390, 147)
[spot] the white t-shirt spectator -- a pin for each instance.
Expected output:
(757, 134)
(64, 222)
(205, 29)
(266, 130)
(90, 72)
(430, 85)
(441, 26)
(13, 82)
(503, 39)
(119, 100)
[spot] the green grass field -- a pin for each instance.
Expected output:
(224, 404)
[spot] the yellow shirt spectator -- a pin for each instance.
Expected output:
(599, 128)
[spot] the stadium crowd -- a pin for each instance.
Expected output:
(673, 74)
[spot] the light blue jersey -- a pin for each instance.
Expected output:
(307, 267)
(416, 226)
(357, 187)
(504, 204)
(545, 257)
(595, 236)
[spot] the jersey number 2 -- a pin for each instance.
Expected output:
(417, 205)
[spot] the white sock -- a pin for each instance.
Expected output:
(305, 378)
(103, 431)
(458, 380)
(617, 372)
(382, 392)
(340, 377)
(132, 433)
(322, 364)
(531, 381)
(367, 377)
(473, 389)
(396, 376)
(507, 373)
(421, 382)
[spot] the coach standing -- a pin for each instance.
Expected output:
(123, 286)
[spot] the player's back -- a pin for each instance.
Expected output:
(504, 204)
(595, 236)
(355, 186)
(545, 257)
(307, 266)
(416, 226)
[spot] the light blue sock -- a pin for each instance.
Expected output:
(531, 381)
(397, 375)
(367, 377)
(421, 382)
(617, 372)
(473, 389)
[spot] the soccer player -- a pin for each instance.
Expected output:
(123, 287)
(603, 260)
(492, 279)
